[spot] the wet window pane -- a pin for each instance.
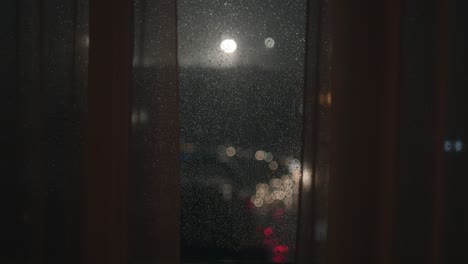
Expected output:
(241, 67)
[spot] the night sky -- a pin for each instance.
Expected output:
(203, 24)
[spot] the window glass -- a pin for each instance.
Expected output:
(241, 67)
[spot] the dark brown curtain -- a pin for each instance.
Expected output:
(106, 147)
(44, 75)
(391, 178)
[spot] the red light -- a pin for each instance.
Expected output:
(281, 249)
(268, 231)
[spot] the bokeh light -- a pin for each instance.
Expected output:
(230, 151)
(273, 165)
(269, 43)
(260, 155)
(275, 182)
(258, 202)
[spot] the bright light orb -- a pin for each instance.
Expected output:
(228, 45)
(269, 43)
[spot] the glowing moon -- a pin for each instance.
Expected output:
(228, 45)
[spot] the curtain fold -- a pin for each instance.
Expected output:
(390, 79)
